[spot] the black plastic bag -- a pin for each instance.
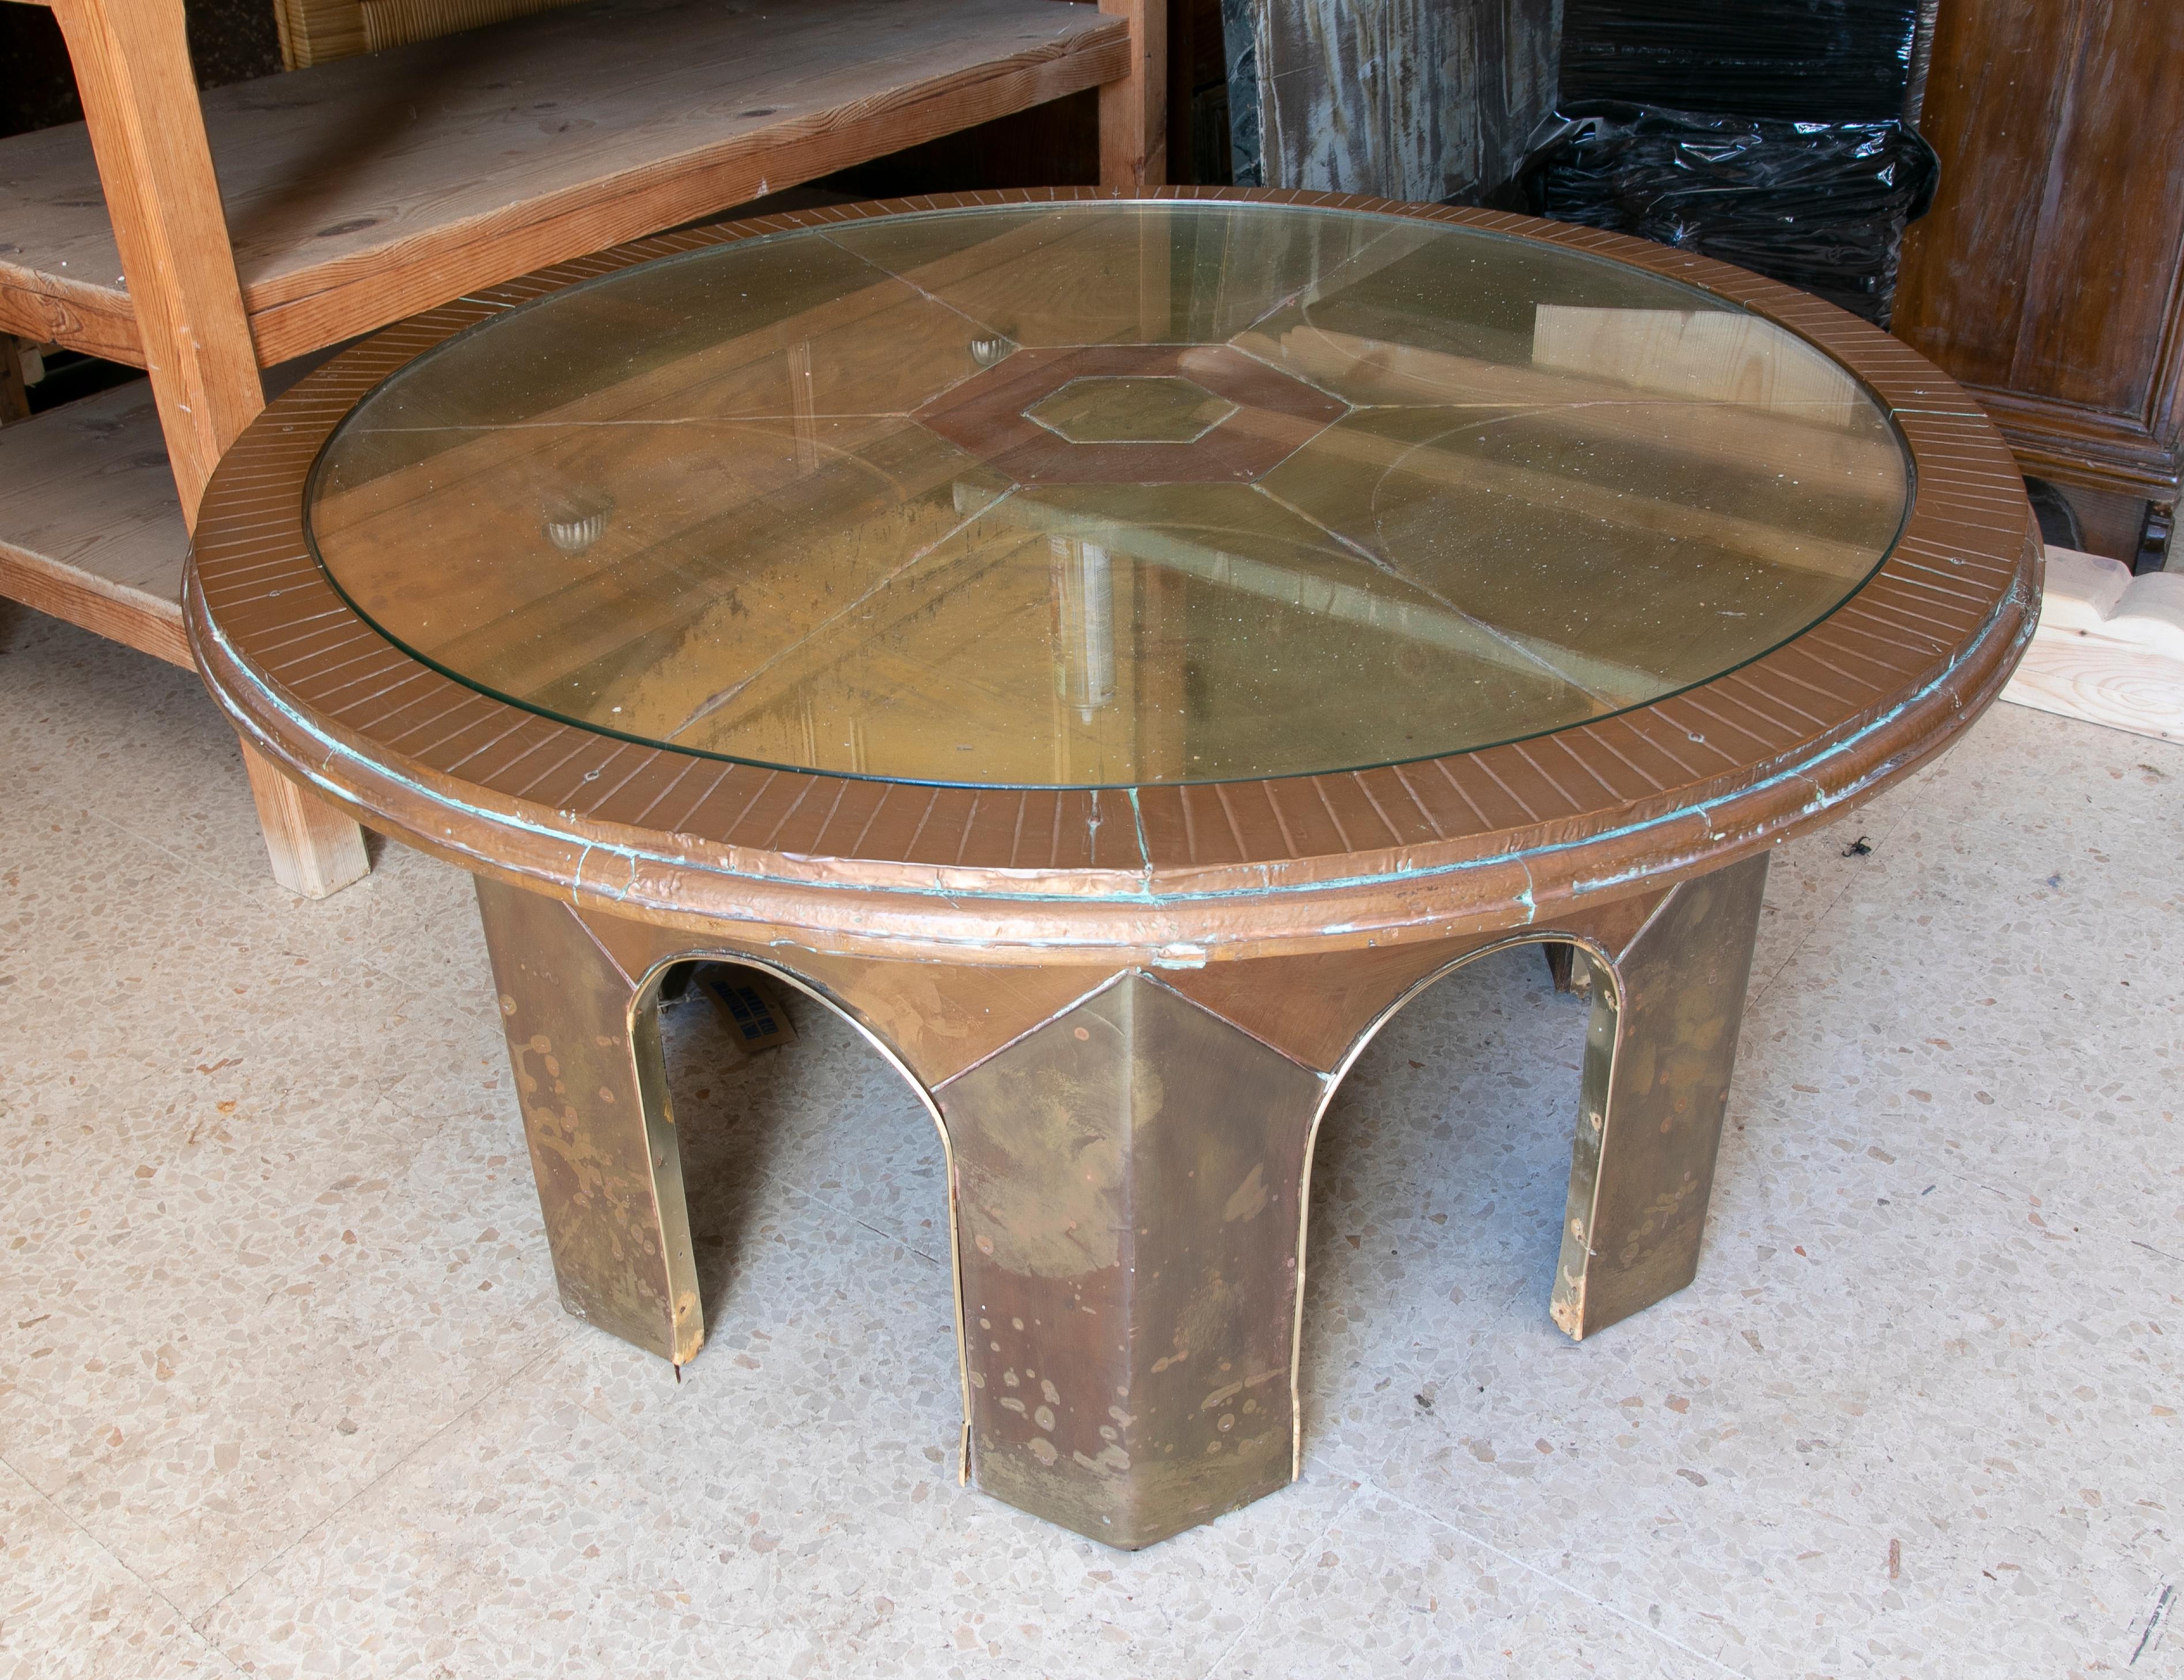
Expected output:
(1838, 61)
(1821, 206)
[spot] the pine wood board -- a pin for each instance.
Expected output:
(360, 191)
(90, 529)
(2109, 648)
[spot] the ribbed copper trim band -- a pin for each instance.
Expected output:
(1496, 836)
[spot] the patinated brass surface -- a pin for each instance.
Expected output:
(1659, 1050)
(1128, 1168)
(583, 1042)
(1129, 1189)
(1526, 511)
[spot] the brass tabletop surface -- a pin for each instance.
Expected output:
(1088, 494)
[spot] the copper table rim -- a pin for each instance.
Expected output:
(1172, 874)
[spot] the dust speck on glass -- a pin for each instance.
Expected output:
(1095, 494)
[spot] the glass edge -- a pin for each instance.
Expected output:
(311, 481)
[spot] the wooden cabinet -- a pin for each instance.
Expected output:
(2049, 278)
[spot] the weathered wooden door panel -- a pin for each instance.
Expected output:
(2049, 277)
(1425, 99)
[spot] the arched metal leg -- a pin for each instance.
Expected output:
(1130, 1203)
(1128, 1169)
(583, 1039)
(1658, 1055)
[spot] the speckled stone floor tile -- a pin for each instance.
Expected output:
(828, 1114)
(285, 1389)
(1387, 1589)
(794, 1497)
(70, 1611)
(209, 1357)
(2002, 995)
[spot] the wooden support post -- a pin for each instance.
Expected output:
(140, 100)
(1134, 111)
(314, 850)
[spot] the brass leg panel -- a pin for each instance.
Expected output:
(584, 1043)
(1128, 1182)
(1656, 1072)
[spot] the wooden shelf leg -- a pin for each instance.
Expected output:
(140, 103)
(140, 100)
(15, 399)
(1134, 111)
(315, 851)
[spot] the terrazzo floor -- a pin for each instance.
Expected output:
(285, 1390)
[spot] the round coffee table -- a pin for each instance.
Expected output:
(1116, 653)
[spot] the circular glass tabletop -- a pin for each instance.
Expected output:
(1092, 494)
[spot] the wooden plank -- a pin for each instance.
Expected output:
(90, 529)
(1134, 109)
(2057, 130)
(356, 192)
(2092, 332)
(2109, 648)
(140, 100)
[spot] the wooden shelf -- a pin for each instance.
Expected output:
(266, 220)
(90, 528)
(365, 190)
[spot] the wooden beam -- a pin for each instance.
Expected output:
(140, 100)
(1134, 110)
